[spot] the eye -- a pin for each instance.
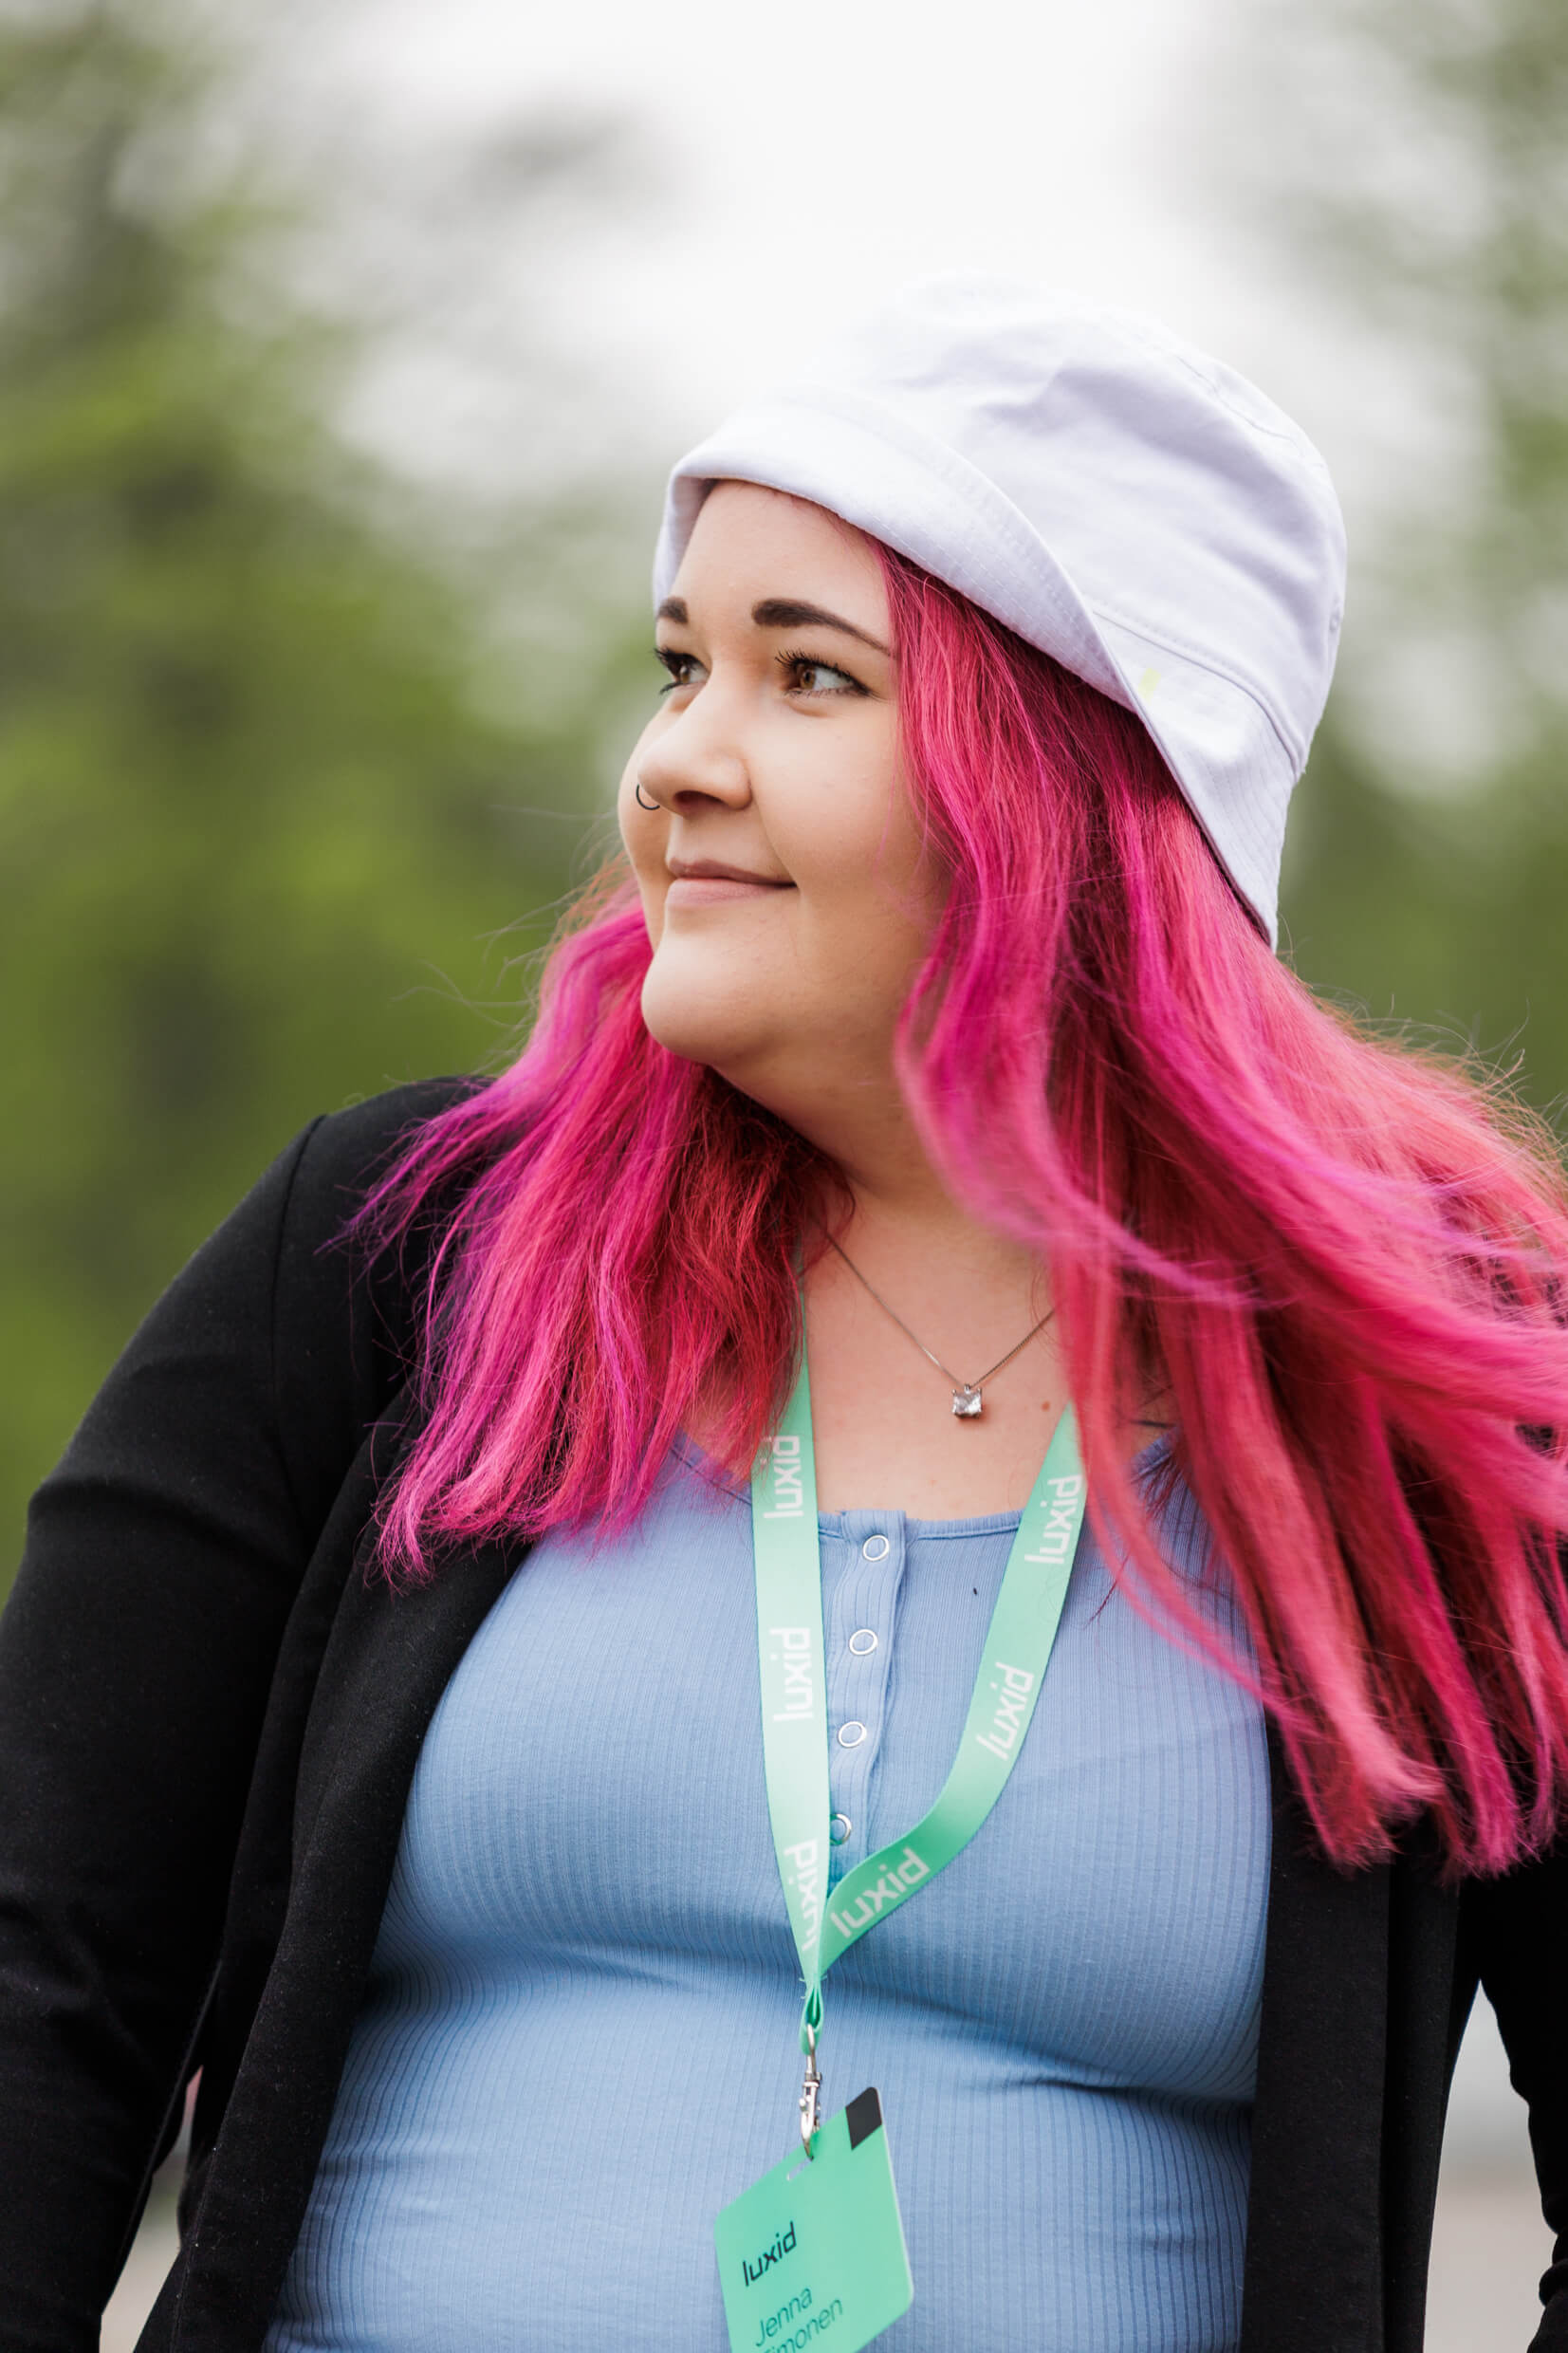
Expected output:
(808, 676)
(683, 668)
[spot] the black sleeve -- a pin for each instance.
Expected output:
(1518, 1931)
(162, 1558)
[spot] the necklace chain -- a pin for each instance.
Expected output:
(967, 1397)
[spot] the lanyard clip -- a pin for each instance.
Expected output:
(811, 2093)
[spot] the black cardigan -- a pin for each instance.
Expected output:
(210, 1715)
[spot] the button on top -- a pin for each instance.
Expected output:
(863, 1641)
(876, 1549)
(838, 1828)
(851, 1735)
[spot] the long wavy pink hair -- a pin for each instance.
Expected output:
(1339, 1259)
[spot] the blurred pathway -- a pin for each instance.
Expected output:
(1488, 2253)
(141, 2279)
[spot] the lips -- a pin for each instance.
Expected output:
(706, 883)
(710, 889)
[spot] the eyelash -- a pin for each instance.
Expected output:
(787, 660)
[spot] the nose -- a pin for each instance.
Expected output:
(697, 758)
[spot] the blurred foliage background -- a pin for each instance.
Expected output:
(272, 839)
(1415, 179)
(295, 763)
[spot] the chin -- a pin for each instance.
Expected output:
(700, 1025)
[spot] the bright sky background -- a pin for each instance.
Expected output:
(795, 166)
(818, 153)
(809, 159)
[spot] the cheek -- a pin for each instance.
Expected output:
(870, 889)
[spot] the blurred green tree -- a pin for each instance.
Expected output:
(258, 824)
(1416, 165)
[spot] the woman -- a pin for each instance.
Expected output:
(936, 1025)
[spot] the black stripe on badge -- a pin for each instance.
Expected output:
(863, 2116)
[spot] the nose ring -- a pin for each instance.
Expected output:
(636, 795)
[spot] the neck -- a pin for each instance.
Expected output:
(909, 1229)
(904, 1221)
(925, 1275)
(903, 1211)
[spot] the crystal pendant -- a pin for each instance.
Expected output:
(968, 1403)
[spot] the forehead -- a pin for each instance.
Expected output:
(750, 543)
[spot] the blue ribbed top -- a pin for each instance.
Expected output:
(580, 2035)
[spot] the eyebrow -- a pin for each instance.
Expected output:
(783, 613)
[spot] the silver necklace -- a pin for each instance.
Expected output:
(968, 1402)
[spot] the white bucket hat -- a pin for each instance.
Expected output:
(1130, 506)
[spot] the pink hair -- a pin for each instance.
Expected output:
(1337, 1259)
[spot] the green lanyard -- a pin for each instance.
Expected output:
(791, 1654)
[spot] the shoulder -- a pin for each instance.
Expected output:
(345, 1316)
(281, 1342)
(287, 1279)
(335, 1162)
(226, 1428)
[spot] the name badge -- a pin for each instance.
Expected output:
(815, 2250)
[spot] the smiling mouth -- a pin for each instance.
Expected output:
(706, 883)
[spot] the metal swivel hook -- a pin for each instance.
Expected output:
(811, 2093)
